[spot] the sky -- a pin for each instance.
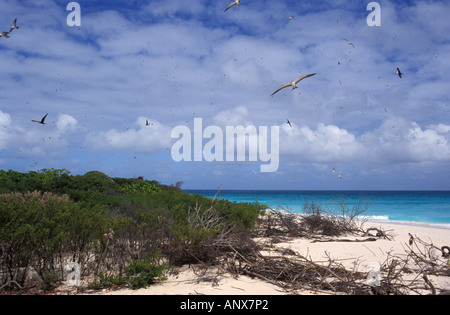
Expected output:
(170, 62)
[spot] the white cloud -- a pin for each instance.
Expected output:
(398, 140)
(232, 117)
(66, 122)
(327, 143)
(145, 139)
(5, 121)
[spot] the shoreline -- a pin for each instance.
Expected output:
(440, 226)
(189, 280)
(379, 208)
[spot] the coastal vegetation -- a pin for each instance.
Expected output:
(121, 232)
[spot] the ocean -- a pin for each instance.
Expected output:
(410, 207)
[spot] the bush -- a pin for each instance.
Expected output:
(140, 187)
(108, 282)
(142, 273)
(138, 274)
(41, 230)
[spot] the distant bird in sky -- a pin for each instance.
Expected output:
(14, 26)
(146, 122)
(293, 83)
(289, 123)
(334, 170)
(340, 176)
(42, 121)
(237, 2)
(291, 17)
(4, 34)
(400, 74)
(349, 42)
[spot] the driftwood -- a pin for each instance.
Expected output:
(10, 283)
(379, 233)
(370, 239)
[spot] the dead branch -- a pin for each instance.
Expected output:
(370, 239)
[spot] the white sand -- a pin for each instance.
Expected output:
(349, 254)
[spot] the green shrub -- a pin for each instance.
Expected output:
(140, 186)
(142, 273)
(40, 230)
(138, 274)
(108, 282)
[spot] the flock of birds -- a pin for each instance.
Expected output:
(292, 84)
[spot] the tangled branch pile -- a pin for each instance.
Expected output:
(412, 273)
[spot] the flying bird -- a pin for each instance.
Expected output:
(14, 26)
(289, 123)
(349, 42)
(42, 121)
(238, 2)
(294, 83)
(400, 74)
(146, 122)
(4, 34)
(291, 17)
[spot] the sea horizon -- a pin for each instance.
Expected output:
(416, 207)
(323, 190)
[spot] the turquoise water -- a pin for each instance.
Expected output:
(425, 207)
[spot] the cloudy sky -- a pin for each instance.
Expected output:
(171, 61)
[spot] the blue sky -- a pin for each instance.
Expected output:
(169, 62)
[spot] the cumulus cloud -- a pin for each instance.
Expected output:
(326, 143)
(36, 141)
(232, 117)
(5, 121)
(398, 140)
(66, 123)
(144, 139)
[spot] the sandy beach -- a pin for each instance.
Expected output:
(360, 256)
